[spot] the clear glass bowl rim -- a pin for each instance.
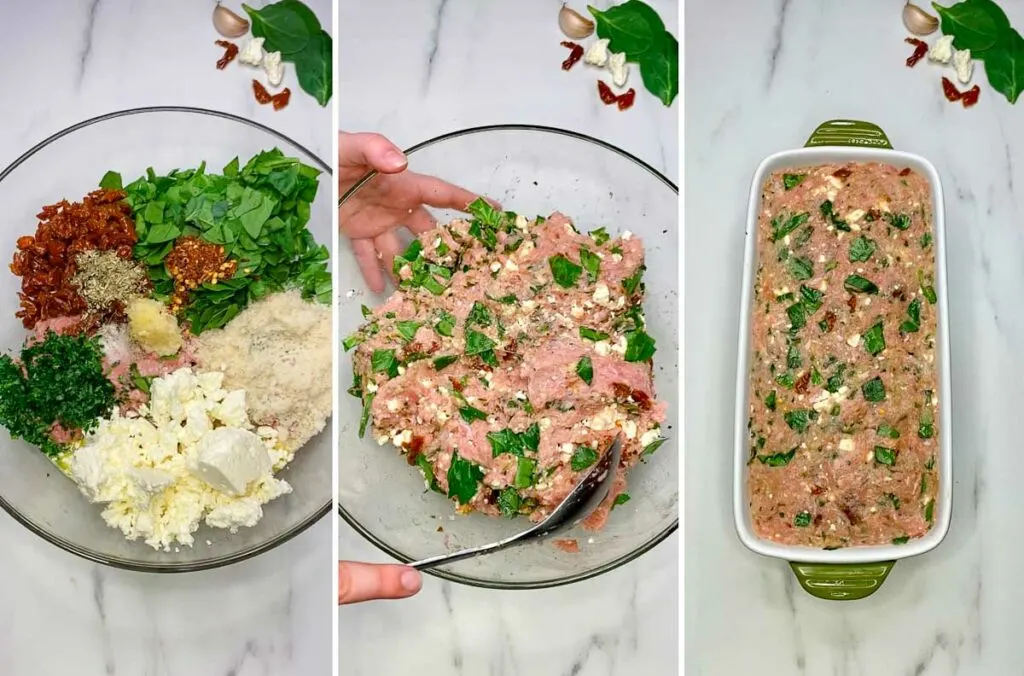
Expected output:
(85, 552)
(474, 581)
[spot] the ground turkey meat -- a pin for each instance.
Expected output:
(843, 398)
(512, 354)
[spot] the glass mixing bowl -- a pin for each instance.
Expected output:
(529, 170)
(70, 164)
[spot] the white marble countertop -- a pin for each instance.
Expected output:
(446, 65)
(759, 78)
(66, 62)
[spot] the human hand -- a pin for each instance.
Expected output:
(393, 199)
(359, 582)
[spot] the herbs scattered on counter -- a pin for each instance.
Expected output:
(256, 214)
(56, 387)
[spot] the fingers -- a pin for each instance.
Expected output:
(366, 256)
(440, 194)
(388, 246)
(421, 221)
(359, 582)
(372, 151)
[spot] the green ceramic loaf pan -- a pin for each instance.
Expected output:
(853, 572)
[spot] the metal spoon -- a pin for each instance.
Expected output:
(584, 499)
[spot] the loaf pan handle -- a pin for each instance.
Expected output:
(841, 581)
(848, 133)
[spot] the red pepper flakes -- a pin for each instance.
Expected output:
(230, 52)
(192, 263)
(262, 95)
(920, 49)
(575, 54)
(280, 100)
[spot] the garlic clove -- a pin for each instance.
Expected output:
(229, 24)
(918, 21)
(574, 24)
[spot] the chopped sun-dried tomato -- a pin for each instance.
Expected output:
(625, 101)
(970, 97)
(920, 49)
(575, 54)
(606, 93)
(262, 95)
(950, 90)
(280, 99)
(230, 52)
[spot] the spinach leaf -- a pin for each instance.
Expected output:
(802, 519)
(901, 540)
(653, 446)
(888, 431)
(861, 249)
(588, 333)
(976, 25)
(913, 323)
(428, 472)
(633, 28)
(874, 339)
(639, 346)
(659, 69)
(313, 67)
(885, 456)
(1004, 66)
(600, 236)
(384, 361)
(873, 390)
(771, 400)
(469, 413)
(477, 343)
(479, 315)
(620, 499)
(801, 268)
(898, 221)
(783, 226)
(509, 502)
(442, 363)
(858, 284)
(564, 271)
(790, 181)
(591, 263)
(524, 473)
(282, 25)
(585, 370)
(632, 283)
(364, 418)
(111, 181)
(583, 458)
(445, 325)
(407, 329)
(798, 419)
(778, 459)
(463, 479)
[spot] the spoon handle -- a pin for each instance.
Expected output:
(462, 555)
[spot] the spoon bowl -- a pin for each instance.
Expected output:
(587, 496)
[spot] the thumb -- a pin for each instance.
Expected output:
(359, 582)
(372, 151)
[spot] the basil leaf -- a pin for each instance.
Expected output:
(861, 249)
(564, 271)
(407, 330)
(583, 458)
(802, 520)
(888, 431)
(770, 401)
(524, 473)
(469, 414)
(591, 263)
(797, 420)
(463, 479)
(442, 363)
(620, 499)
(976, 25)
(631, 27)
(509, 502)
(585, 370)
(659, 69)
(873, 390)
(783, 226)
(477, 343)
(858, 284)
(801, 268)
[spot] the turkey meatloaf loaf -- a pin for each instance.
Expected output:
(843, 398)
(511, 355)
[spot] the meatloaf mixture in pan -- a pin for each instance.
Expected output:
(843, 398)
(510, 356)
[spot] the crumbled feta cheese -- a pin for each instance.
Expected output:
(629, 429)
(511, 266)
(252, 53)
(528, 305)
(854, 340)
(274, 68)
(650, 436)
(942, 50)
(495, 266)
(522, 222)
(616, 258)
(620, 345)
(393, 405)
(855, 215)
(846, 444)
(576, 311)
(963, 65)
(619, 69)
(627, 235)
(566, 448)
(597, 53)
(602, 347)
(601, 293)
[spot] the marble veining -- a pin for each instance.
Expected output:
(760, 77)
(447, 65)
(62, 615)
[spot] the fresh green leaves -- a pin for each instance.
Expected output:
(441, 363)
(913, 321)
(801, 268)
(861, 249)
(807, 305)
(56, 380)
(799, 419)
(384, 361)
(632, 283)
(477, 343)
(516, 443)
(926, 287)
(591, 263)
(407, 329)
(636, 30)
(873, 390)
(588, 333)
(111, 181)
(291, 28)
(509, 502)
(653, 446)
(470, 413)
(790, 181)
(857, 284)
(771, 401)
(874, 338)
(983, 27)
(585, 369)
(364, 418)
(887, 431)
(258, 213)
(464, 478)
(802, 519)
(564, 271)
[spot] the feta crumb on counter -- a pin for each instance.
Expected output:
(252, 53)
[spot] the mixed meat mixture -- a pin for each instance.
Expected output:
(843, 399)
(512, 354)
